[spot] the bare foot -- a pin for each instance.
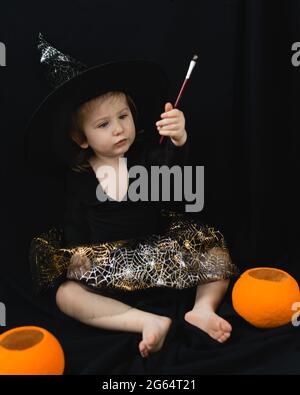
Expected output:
(79, 264)
(154, 333)
(208, 321)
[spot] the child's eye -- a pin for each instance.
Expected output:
(103, 125)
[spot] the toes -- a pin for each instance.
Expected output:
(223, 337)
(151, 341)
(145, 353)
(143, 349)
(225, 326)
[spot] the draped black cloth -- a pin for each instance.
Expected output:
(241, 107)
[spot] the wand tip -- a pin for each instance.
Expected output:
(195, 58)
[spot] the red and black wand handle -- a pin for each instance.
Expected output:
(188, 75)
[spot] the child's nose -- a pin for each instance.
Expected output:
(118, 128)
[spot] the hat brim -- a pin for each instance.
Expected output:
(46, 143)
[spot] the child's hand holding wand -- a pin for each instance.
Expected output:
(172, 124)
(179, 137)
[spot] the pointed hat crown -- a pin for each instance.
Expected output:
(59, 67)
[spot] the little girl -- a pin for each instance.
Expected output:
(109, 249)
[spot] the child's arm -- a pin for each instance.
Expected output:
(75, 226)
(175, 150)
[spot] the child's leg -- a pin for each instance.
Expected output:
(102, 312)
(208, 298)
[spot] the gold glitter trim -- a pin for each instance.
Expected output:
(187, 254)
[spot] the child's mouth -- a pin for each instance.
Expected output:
(121, 142)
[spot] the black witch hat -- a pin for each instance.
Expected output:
(47, 144)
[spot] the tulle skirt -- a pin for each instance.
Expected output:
(186, 254)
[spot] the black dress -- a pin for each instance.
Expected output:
(130, 246)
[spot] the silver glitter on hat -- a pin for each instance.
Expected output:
(60, 67)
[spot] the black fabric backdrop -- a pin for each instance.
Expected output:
(241, 110)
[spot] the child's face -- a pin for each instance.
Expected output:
(105, 122)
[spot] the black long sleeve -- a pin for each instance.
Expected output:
(168, 154)
(76, 229)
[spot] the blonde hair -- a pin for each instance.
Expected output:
(76, 132)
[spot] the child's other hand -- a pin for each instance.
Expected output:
(173, 125)
(79, 264)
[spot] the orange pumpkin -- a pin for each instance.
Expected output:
(264, 297)
(30, 350)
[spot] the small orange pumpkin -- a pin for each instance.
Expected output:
(30, 350)
(264, 297)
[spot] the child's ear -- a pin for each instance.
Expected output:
(84, 145)
(78, 141)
